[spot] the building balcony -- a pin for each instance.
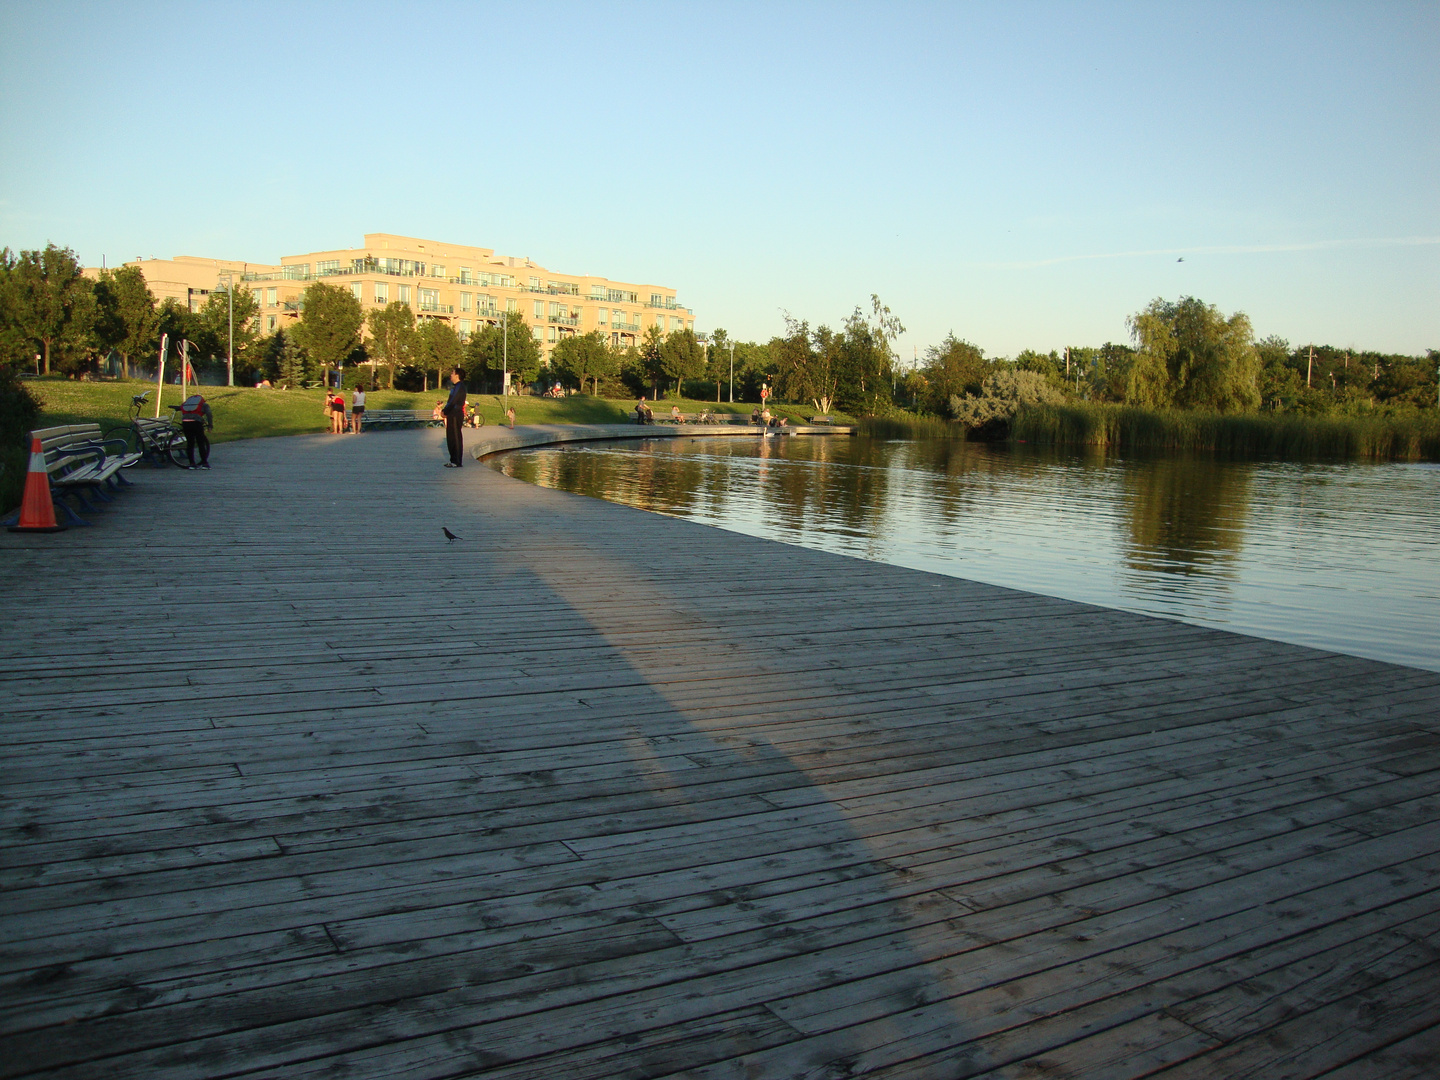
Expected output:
(439, 309)
(625, 326)
(565, 320)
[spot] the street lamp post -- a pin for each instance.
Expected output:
(230, 295)
(732, 372)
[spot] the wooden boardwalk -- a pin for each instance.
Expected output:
(292, 788)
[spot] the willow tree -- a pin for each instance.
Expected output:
(1191, 356)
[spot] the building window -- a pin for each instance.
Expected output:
(270, 322)
(535, 283)
(327, 266)
(382, 293)
(269, 297)
(552, 333)
(539, 309)
(429, 300)
(538, 332)
(437, 271)
(602, 316)
(355, 288)
(465, 301)
(404, 291)
(512, 305)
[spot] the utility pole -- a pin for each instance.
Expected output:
(505, 353)
(1309, 365)
(732, 372)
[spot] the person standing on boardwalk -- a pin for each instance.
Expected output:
(454, 411)
(357, 408)
(195, 417)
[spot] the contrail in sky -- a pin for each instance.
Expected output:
(1227, 249)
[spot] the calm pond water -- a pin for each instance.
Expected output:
(1339, 556)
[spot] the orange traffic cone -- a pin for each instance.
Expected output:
(37, 512)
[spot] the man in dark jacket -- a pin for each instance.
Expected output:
(454, 411)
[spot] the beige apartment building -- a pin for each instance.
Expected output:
(465, 286)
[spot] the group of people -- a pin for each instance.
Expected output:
(335, 406)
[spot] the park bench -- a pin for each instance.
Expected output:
(80, 461)
(820, 420)
(399, 418)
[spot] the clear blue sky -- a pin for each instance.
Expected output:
(1024, 175)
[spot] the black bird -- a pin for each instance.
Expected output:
(1180, 259)
(451, 537)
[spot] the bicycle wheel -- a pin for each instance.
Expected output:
(175, 451)
(120, 434)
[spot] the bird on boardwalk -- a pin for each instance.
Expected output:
(449, 536)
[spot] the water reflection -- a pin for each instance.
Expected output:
(1186, 516)
(1343, 557)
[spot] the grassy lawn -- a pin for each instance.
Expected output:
(246, 413)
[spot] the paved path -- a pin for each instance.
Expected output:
(294, 788)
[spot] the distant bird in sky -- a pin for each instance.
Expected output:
(1180, 259)
(451, 537)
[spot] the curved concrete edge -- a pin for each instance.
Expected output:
(494, 440)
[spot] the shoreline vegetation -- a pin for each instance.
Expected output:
(1400, 436)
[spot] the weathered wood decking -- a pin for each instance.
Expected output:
(294, 788)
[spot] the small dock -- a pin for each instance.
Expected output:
(292, 786)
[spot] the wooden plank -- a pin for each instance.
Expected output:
(602, 805)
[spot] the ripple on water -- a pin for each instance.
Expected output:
(1337, 556)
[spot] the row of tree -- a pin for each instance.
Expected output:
(55, 317)
(1183, 354)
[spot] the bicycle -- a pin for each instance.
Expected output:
(159, 442)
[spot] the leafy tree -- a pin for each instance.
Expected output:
(682, 357)
(865, 360)
(1407, 380)
(392, 338)
(584, 356)
(437, 348)
(126, 318)
(213, 324)
(1112, 370)
(652, 358)
(805, 363)
(717, 360)
(1192, 356)
(755, 365)
(294, 368)
(507, 342)
(16, 347)
(329, 325)
(952, 369)
(53, 302)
